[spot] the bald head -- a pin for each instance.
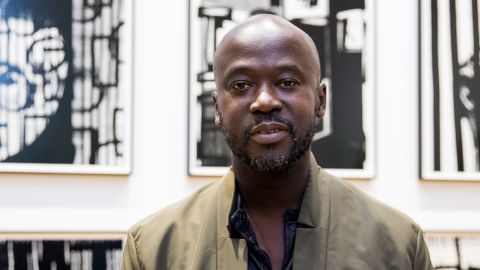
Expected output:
(266, 32)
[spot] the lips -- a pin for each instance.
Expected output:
(269, 132)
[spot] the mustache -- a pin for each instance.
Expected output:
(267, 117)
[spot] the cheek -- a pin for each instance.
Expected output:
(304, 104)
(232, 109)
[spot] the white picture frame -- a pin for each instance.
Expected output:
(343, 147)
(86, 128)
(449, 113)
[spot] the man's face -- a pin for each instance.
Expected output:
(268, 98)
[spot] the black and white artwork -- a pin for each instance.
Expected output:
(343, 34)
(61, 254)
(65, 86)
(454, 252)
(450, 95)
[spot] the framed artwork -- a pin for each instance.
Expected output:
(343, 32)
(460, 251)
(449, 90)
(65, 86)
(61, 251)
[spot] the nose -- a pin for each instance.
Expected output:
(266, 100)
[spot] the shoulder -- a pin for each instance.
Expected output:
(355, 203)
(189, 208)
(363, 227)
(175, 229)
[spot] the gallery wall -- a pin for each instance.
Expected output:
(99, 203)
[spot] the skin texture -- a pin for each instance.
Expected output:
(269, 95)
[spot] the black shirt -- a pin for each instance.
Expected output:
(239, 227)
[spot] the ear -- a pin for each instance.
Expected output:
(321, 98)
(218, 120)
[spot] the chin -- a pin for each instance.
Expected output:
(270, 161)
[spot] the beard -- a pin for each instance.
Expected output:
(269, 161)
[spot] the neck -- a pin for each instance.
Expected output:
(272, 192)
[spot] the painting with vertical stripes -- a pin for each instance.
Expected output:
(61, 254)
(449, 90)
(65, 86)
(454, 251)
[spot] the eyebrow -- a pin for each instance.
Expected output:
(245, 68)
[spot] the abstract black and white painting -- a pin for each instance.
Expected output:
(65, 86)
(450, 89)
(61, 254)
(343, 34)
(454, 252)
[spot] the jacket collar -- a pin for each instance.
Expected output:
(316, 199)
(231, 253)
(310, 251)
(225, 197)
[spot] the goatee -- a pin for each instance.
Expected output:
(268, 161)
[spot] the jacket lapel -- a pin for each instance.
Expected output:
(231, 252)
(311, 242)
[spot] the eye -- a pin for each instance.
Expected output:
(287, 83)
(240, 85)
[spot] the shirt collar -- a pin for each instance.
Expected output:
(238, 219)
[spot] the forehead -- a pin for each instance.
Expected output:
(254, 49)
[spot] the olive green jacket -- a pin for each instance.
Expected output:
(349, 230)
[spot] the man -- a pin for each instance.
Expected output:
(275, 208)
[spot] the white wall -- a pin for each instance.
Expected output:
(30, 202)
